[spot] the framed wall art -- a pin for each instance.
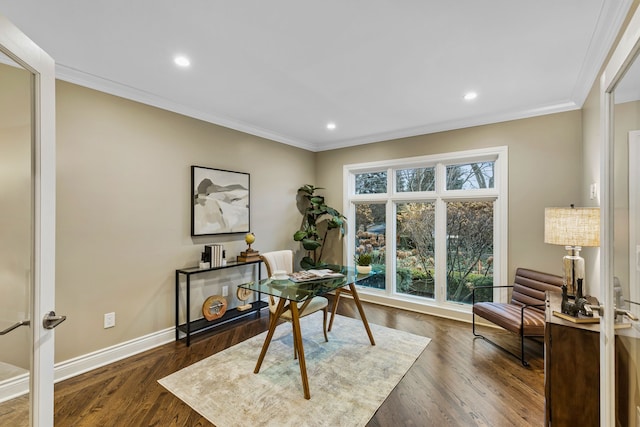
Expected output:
(219, 201)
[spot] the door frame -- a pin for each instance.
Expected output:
(25, 52)
(634, 211)
(620, 61)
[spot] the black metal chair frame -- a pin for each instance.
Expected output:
(522, 335)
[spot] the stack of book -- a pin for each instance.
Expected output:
(249, 255)
(215, 254)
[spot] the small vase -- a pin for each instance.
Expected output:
(363, 269)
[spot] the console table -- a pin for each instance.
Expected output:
(571, 373)
(572, 370)
(199, 325)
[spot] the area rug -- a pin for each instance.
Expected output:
(348, 377)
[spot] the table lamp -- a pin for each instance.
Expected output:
(573, 228)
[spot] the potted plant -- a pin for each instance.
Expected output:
(317, 217)
(363, 263)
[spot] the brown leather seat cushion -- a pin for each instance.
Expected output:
(529, 289)
(508, 317)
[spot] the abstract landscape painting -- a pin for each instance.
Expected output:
(220, 201)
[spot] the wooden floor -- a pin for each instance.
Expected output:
(457, 381)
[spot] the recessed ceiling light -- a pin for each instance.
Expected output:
(470, 96)
(182, 61)
(331, 126)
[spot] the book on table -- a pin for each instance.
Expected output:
(309, 275)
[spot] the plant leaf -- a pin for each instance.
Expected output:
(310, 245)
(307, 263)
(299, 235)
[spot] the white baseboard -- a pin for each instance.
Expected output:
(14, 387)
(19, 385)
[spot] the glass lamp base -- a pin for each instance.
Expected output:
(573, 265)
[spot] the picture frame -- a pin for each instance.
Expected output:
(219, 201)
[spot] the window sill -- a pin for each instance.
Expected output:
(460, 312)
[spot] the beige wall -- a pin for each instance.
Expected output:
(626, 119)
(16, 223)
(123, 213)
(592, 148)
(545, 170)
(123, 201)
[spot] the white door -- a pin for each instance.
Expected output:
(27, 224)
(627, 298)
(620, 237)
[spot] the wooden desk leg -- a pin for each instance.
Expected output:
(272, 328)
(356, 299)
(335, 308)
(297, 342)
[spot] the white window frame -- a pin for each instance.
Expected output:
(498, 194)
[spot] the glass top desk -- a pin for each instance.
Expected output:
(295, 296)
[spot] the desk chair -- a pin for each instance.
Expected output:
(283, 260)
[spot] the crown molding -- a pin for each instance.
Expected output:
(468, 122)
(602, 41)
(98, 83)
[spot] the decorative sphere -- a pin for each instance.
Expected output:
(249, 238)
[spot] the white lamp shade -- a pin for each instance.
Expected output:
(572, 226)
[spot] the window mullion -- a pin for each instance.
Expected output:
(440, 228)
(390, 249)
(441, 251)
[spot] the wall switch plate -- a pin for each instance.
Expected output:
(109, 320)
(225, 291)
(593, 191)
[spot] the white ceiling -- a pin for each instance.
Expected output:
(379, 69)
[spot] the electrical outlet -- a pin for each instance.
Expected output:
(109, 320)
(225, 291)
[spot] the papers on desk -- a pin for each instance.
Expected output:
(309, 275)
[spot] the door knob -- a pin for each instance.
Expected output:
(627, 313)
(51, 320)
(14, 326)
(617, 311)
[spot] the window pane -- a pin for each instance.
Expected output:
(415, 228)
(371, 183)
(418, 179)
(469, 250)
(370, 238)
(470, 176)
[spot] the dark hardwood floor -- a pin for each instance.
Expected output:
(457, 381)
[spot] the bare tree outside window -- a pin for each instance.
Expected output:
(415, 179)
(415, 249)
(371, 183)
(469, 250)
(470, 176)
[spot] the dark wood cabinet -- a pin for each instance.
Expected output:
(572, 371)
(572, 376)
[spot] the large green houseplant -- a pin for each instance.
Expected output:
(318, 218)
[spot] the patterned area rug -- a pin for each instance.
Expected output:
(348, 377)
